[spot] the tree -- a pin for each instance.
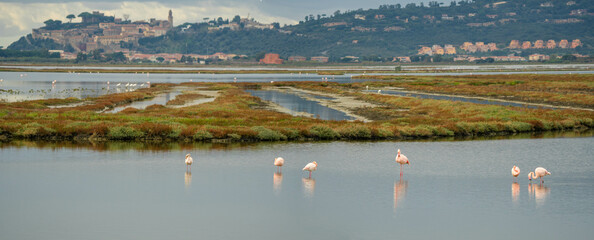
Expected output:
(275, 25)
(70, 17)
(160, 59)
(236, 19)
(81, 57)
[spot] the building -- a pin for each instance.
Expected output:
(425, 51)
(271, 58)
(514, 44)
(576, 43)
(551, 44)
(297, 59)
(402, 59)
(321, 59)
(563, 43)
(538, 57)
(450, 49)
(539, 44)
(526, 45)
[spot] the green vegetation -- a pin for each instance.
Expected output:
(374, 35)
(236, 115)
(571, 90)
(393, 30)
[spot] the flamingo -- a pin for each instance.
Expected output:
(515, 172)
(312, 166)
(379, 91)
(189, 161)
(149, 84)
(401, 159)
(539, 172)
(279, 162)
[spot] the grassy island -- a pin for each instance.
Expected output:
(236, 116)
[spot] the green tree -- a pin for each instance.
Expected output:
(236, 19)
(160, 59)
(70, 17)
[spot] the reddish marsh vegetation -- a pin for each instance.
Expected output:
(236, 116)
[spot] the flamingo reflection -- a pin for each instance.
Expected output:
(277, 181)
(399, 191)
(188, 178)
(309, 186)
(515, 191)
(539, 191)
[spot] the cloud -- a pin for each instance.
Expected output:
(17, 19)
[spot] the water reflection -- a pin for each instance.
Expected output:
(462, 99)
(277, 181)
(188, 179)
(539, 191)
(515, 188)
(309, 187)
(399, 192)
(299, 104)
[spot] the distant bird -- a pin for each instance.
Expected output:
(379, 91)
(515, 171)
(149, 84)
(401, 159)
(189, 161)
(312, 166)
(539, 172)
(271, 81)
(367, 87)
(279, 162)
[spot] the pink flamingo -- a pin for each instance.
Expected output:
(312, 166)
(189, 161)
(539, 172)
(279, 162)
(401, 159)
(515, 172)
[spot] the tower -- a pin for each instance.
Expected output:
(170, 18)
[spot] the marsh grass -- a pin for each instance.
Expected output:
(235, 116)
(566, 89)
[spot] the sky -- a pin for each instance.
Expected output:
(19, 17)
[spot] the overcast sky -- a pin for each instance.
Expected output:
(18, 17)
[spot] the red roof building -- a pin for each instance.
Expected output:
(271, 58)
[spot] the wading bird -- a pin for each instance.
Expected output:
(189, 161)
(279, 162)
(515, 172)
(312, 166)
(401, 159)
(539, 172)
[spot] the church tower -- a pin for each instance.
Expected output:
(170, 18)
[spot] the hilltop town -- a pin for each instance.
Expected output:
(484, 30)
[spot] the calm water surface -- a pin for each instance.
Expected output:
(451, 190)
(461, 99)
(19, 86)
(296, 103)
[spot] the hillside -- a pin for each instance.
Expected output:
(391, 30)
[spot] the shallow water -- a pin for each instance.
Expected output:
(19, 86)
(296, 104)
(461, 99)
(451, 190)
(161, 99)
